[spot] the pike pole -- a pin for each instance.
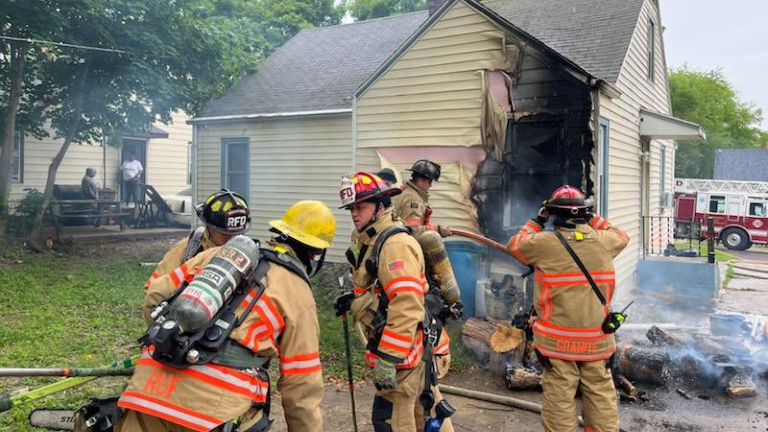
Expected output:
(78, 377)
(348, 348)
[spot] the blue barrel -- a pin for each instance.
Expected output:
(466, 259)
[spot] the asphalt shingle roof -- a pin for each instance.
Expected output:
(741, 164)
(320, 68)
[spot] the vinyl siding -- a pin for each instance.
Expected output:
(167, 157)
(38, 155)
(290, 160)
(625, 176)
(432, 95)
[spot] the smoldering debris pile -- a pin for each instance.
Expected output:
(686, 361)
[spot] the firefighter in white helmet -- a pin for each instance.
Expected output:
(280, 325)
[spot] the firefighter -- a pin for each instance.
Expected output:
(282, 326)
(413, 205)
(389, 305)
(568, 324)
(225, 215)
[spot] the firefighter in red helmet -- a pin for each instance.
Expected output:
(571, 340)
(388, 302)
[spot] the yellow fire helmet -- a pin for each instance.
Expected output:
(309, 222)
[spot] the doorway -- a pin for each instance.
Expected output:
(136, 147)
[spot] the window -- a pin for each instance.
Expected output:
(189, 163)
(757, 209)
(604, 162)
(18, 158)
(663, 168)
(651, 50)
(235, 165)
(717, 204)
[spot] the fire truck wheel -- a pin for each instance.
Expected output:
(736, 239)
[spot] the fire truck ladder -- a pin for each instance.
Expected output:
(724, 186)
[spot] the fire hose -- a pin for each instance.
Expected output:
(481, 239)
(78, 377)
(498, 399)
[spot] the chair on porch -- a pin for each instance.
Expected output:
(155, 211)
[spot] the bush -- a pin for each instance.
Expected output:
(22, 221)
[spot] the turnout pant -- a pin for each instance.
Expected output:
(399, 410)
(598, 396)
(134, 421)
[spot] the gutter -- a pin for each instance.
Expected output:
(269, 115)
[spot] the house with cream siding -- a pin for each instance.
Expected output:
(164, 151)
(512, 97)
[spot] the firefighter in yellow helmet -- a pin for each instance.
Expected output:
(389, 303)
(225, 215)
(412, 206)
(276, 321)
(572, 341)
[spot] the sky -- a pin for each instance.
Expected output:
(729, 35)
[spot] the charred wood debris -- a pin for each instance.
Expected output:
(691, 363)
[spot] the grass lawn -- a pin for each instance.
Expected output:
(84, 310)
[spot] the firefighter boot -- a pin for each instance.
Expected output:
(399, 410)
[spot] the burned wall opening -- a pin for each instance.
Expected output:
(548, 143)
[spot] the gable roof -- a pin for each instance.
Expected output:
(319, 69)
(741, 164)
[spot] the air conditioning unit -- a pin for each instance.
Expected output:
(667, 200)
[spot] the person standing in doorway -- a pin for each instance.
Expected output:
(132, 171)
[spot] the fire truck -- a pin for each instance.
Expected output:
(738, 209)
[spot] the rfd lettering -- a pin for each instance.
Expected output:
(236, 221)
(577, 347)
(161, 384)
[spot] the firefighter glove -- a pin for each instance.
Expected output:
(343, 303)
(444, 231)
(542, 216)
(384, 375)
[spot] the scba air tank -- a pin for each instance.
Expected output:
(208, 291)
(438, 265)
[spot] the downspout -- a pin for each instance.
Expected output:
(354, 133)
(195, 138)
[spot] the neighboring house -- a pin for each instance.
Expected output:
(512, 97)
(741, 164)
(164, 152)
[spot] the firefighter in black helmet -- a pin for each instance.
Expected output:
(412, 206)
(225, 215)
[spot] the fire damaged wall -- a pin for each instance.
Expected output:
(548, 143)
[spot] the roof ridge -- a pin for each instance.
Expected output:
(365, 21)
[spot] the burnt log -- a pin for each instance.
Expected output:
(662, 338)
(476, 336)
(740, 386)
(518, 377)
(649, 365)
(625, 386)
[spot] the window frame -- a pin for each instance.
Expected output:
(750, 205)
(17, 175)
(651, 50)
(224, 169)
(724, 202)
(604, 158)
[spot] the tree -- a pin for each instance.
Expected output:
(367, 9)
(129, 63)
(707, 98)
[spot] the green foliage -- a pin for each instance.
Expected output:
(707, 98)
(366, 9)
(22, 221)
